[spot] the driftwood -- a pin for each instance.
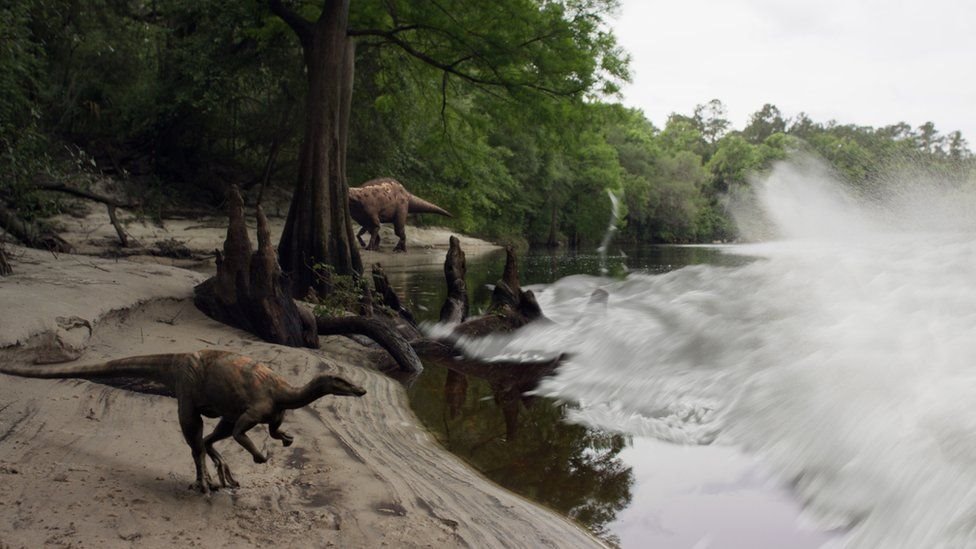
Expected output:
(109, 202)
(35, 236)
(250, 292)
(31, 234)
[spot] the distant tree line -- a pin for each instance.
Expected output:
(187, 97)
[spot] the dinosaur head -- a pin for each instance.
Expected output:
(335, 385)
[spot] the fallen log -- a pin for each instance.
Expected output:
(109, 203)
(32, 234)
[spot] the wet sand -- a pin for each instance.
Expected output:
(87, 465)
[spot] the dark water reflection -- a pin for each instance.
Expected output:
(520, 442)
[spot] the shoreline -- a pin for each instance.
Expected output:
(88, 465)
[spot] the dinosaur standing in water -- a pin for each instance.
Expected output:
(385, 200)
(239, 390)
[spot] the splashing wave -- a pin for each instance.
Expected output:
(844, 354)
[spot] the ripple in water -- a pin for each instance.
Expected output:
(844, 355)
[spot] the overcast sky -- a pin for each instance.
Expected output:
(865, 62)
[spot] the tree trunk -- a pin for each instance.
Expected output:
(4, 266)
(553, 240)
(318, 228)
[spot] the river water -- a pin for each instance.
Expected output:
(814, 388)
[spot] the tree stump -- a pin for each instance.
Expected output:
(388, 295)
(249, 290)
(455, 308)
(510, 309)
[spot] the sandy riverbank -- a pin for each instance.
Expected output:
(86, 465)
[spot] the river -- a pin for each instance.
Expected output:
(814, 388)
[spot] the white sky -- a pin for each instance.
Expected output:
(866, 62)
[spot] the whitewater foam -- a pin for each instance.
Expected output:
(842, 355)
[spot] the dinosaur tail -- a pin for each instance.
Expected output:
(151, 367)
(419, 206)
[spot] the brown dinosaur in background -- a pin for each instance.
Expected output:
(239, 390)
(384, 200)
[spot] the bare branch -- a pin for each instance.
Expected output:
(81, 193)
(109, 202)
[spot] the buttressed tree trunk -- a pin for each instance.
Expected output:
(319, 228)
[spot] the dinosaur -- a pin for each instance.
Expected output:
(239, 390)
(384, 200)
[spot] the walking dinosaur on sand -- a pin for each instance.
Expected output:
(239, 390)
(385, 200)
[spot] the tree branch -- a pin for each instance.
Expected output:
(391, 36)
(109, 202)
(81, 193)
(382, 32)
(301, 26)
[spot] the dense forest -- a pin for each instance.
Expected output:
(177, 99)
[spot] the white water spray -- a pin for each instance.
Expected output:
(844, 355)
(616, 217)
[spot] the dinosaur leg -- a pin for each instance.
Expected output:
(192, 426)
(359, 236)
(244, 423)
(274, 429)
(223, 430)
(398, 227)
(374, 239)
(374, 233)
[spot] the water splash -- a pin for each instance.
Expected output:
(616, 216)
(843, 355)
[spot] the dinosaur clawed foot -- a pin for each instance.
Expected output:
(205, 487)
(285, 438)
(259, 458)
(226, 478)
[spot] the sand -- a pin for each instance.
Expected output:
(87, 465)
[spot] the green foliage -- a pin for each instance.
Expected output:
(344, 292)
(496, 111)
